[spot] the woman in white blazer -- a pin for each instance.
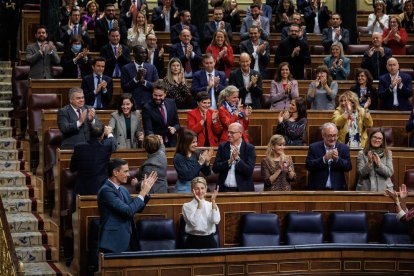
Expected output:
(126, 124)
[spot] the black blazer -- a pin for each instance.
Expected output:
(236, 79)
(244, 168)
(88, 87)
(247, 47)
(154, 123)
(102, 29)
(158, 20)
(70, 69)
(158, 62)
(65, 37)
(176, 50)
(319, 171)
(210, 29)
(108, 53)
(92, 169)
(176, 30)
(322, 19)
(126, 4)
(327, 39)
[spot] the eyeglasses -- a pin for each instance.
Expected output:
(377, 138)
(331, 135)
(233, 132)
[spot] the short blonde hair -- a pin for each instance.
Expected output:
(198, 179)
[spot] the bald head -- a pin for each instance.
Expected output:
(245, 62)
(393, 66)
(185, 36)
(376, 39)
(235, 132)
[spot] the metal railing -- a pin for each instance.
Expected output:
(9, 263)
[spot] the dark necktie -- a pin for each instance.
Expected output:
(79, 112)
(99, 95)
(163, 113)
(117, 71)
(188, 62)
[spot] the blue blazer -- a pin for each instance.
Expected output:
(200, 83)
(88, 87)
(176, 30)
(386, 96)
(141, 93)
(244, 168)
(319, 171)
(338, 74)
(117, 226)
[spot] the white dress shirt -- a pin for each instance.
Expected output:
(231, 175)
(201, 222)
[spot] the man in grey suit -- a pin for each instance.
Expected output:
(255, 19)
(41, 56)
(74, 119)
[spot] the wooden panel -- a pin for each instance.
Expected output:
(234, 205)
(30, 19)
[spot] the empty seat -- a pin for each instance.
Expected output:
(409, 179)
(394, 231)
(348, 227)
(356, 49)
(317, 50)
(260, 230)
(156, 234)
(304, 228)
(183, 235)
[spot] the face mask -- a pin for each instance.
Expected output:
(76, 48)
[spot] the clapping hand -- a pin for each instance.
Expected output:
(148, 182)
(91, 113)
(376, 159)
(335, 154)
(214, 194)
(248, 111)
(283, 116)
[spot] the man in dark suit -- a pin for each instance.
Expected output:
(41, 55)
(74, 27)
(92, 169)
(327, 161)
(185, 23)
(235, 161)
(165, 16)
(116, 54)
(217, 24)
(250, 88)
(130, 7)
(138, 76)
(188, 52)
(295, 52)
(394, 88)
(296, 19)
(375, 59)
(155, 54)
(105, 24)
(318, 9)
(160, 116)
(210, 80)
(336, 33)
(74, 119)
(258, 50)
(117, 208)
(97, 88)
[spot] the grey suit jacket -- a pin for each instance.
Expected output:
(67, 123)
(41, 65)
(156, 161)
(117, 122)
(248, 21)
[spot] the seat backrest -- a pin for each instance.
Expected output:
(53, 140)
(260, 230)
(356, 49)
(389, 137)
(156, 234)
(20, 86)
(409, 179)
(37, 102)
(348, 227)
(317, 50)
(93, 245)
(304, 228)
(182, 235)
(394, 231)
(409, 49)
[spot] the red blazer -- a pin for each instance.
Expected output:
(193, 122)
(228, 60)
(227, 119)
(397, 47)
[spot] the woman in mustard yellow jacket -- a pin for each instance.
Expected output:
(352, 120)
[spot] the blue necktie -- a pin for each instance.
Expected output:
(99, 96)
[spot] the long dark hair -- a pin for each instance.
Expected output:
(367, 74)
(300, 107)
(185, 138)
(278, 74)
(123, 97)
(383, 147)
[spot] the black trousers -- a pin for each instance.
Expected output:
(200, 242)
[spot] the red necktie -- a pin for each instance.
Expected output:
(188, 62)
(162, 113)
(79, 113)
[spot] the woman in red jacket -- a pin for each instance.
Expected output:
(231, 110)
(204, 122)
(395, 37)
(222, 51)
